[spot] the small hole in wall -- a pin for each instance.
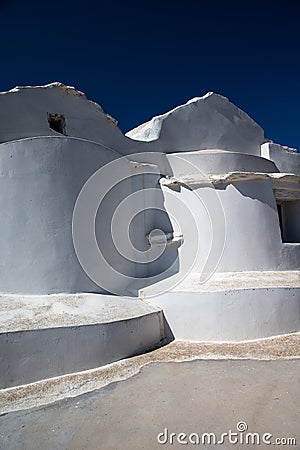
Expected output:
(57, 122)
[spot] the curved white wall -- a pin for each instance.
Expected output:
(40, 181)
(217, 162)
(245, 211)
(42, 178)
(251, 235)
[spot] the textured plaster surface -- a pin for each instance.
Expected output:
(188, 396)
(241, 280)
(286, 159)
(218, 156)
(42, 178)
(24, 113)
(42, 173)
(64, 335)
(24, 312)
(51, 390)
(211, 121)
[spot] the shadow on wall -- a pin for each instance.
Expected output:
(260, 190)
(42, 179)
(129, 214)
(122, 231)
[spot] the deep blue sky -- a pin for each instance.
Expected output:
(138, 59)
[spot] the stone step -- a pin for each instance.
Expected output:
(48, 336)
(229, 306)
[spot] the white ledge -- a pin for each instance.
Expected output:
(231, 177)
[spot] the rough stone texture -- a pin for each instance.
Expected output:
(208, 122)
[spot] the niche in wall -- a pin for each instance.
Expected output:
(57, 122)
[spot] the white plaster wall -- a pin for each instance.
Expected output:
(287, 159)
(252, 238)
(232, 315)
(24, 113)
(290, 257)
(42, 176)
(40, 180)
(217, 162)
(207, 122)
(31, 355)
(207, 162)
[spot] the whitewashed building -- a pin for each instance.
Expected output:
(188, 227)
